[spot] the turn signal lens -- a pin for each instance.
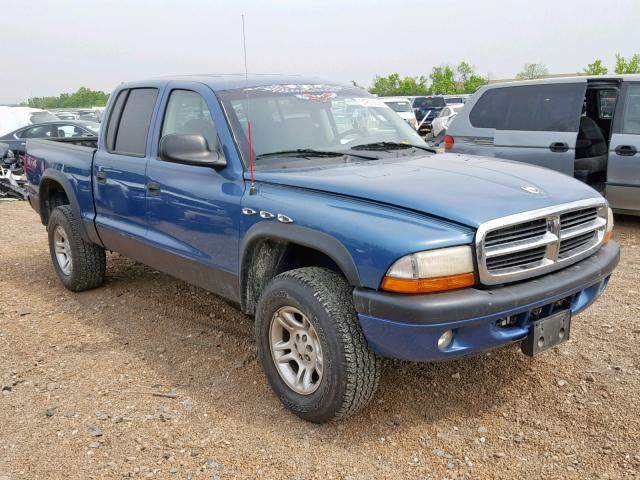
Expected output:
(609, 233)
(428, 285)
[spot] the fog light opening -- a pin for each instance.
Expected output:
(445, 340)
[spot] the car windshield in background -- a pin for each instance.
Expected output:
(451, 100)
(41, 117)
(429, 102)
(399, 106)
(297, 119)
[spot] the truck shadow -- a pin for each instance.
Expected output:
(199, 344)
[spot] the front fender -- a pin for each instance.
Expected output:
(362, 237)
(304, 236)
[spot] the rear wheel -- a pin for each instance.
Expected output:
(311, 345)
(80, 265)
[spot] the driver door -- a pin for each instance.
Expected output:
(193, 212)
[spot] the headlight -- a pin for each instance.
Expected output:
(609, 234)
(431, 271)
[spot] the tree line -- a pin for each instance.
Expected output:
(443, 80)
(447, 79)
(83, 98)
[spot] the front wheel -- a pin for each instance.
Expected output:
(311, 345)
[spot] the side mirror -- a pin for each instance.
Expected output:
(190, 150)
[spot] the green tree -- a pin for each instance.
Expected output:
(443, 80)
(394, 85)
(532, 71)
(83, 98)
(627, 66)
(596, 68)
(473, 83)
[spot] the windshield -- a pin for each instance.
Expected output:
(328, 118)
(429, 102)
(399, 105)
(451, 100)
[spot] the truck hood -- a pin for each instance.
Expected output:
(466, 189)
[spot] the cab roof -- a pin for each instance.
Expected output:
(231, 81)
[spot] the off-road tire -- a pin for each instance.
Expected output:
(88, 260)
(351, 371)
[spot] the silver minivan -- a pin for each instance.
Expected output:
(586, 127)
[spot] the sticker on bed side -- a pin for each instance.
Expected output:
(317, 97)
(370, 102)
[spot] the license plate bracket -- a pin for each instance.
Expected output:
(547, 333)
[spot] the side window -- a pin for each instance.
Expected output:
(607, 102)
(38, 132)
(133, 128)
(69, 131)
(631, 120)
(489, 110)
(188, 113)
(114, 118)
(551, 107)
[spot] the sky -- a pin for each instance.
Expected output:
(48, 47)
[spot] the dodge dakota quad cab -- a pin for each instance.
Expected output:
(323, 215)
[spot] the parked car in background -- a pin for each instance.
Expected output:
(444, 118)
(457, 99)
(426, 110)
(586, 127)
(12, 118)
(402, 106)
(60, 129)
(349, 239)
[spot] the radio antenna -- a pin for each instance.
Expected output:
(252, 189)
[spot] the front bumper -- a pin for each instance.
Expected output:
(408, 326)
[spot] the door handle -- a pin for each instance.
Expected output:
(559, 147)
(101, 177)
(626, 150)
(153, 188)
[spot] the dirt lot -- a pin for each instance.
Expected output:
(80, 374)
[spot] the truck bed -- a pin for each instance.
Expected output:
(68, 161)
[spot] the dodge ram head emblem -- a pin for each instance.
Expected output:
(530, 189)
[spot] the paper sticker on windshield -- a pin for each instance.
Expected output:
(317, 97)
(370, 102)
(301, 88)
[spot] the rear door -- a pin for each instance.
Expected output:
(539, 124)
(623, 169)
(120, 171)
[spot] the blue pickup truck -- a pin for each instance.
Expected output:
(324, 216)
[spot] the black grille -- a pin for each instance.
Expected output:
(521, 231)
(518, 259)
(576, 242)
(578, 217)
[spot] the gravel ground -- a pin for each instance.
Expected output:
(150, 377)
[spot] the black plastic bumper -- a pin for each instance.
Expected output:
(473, 302)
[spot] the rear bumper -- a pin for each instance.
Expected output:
(408, 326)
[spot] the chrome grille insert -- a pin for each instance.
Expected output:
(525, 245)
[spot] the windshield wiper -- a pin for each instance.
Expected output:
(390, 146)
(309, 152)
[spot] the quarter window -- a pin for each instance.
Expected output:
(188, 113)
(133, 128)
